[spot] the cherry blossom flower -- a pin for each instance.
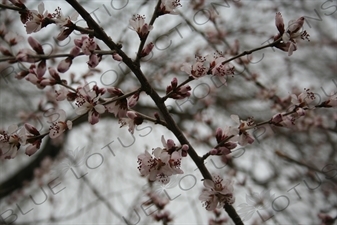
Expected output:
(244, 137)
(163, 163)
(290, 35)
(178, 93)
(217, 193)
(137, 23)
(169, 7)
(217, 68)
(118, 107)
(64, 22)
(88, 101)
(36, 19)
(132, 120)
(222, 135)
(198, 69)
(61, 94)
(302, 101)
(59, 125)
(88, 45)
(32, 77)
(11, 140)
(281, 120)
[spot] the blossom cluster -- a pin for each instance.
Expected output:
(35, 20)
(212, 65)
(301, 103)
(290, 35)
(228, 137)
(163, 162)
(15, 137)
(217, 193)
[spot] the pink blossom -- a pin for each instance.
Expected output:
(88, 45)
(88, 101)
(59, 125)
(137, 23)
(225, 147)
(40, 82)
(219, 69)
(169, 7)
(62, 20)
(244, 137)
(163, 163)
(217, 193)
(198, 69)
(36, 18)
(118, 107)
(11, 140)
(291, 34)
(64, 23)
(61, 94)
(178, 93)
(131, 120)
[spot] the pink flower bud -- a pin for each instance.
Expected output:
(54, 74)
(277, 119)
(213, 152)
(30, 150)
(117, 57)
(174, 82)
(184, 150)
(75, 51)
(22, 74)
(64, 65)
(41, 69)
(64, 34)
(170, 143)
(148, 48)
(93, 61)
(5, 51)
(279, 22)
(35, 45)
(31, 129)
(23, 56)
(133, 100)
